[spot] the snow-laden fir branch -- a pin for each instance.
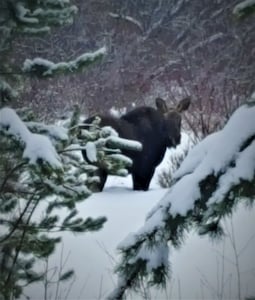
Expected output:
(53, 13)
(54, 131)
(67, 191)
(117, 142)
(44, 67)
(216, 174)
(25, 189)
(23, 14)
(244, 8)
(47, 12)
(36, 146)
(104, 148)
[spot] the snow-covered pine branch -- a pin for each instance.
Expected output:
(217, 173)
(56, 132)
(44, 14)
(244, 8)
(29, 188)
(117, 142)
(36, 146)
(103, 149)
(44, 67)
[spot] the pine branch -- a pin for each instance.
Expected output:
(3, 187)
(205, 191)
(16, 226)
(8, 283)
(42, 67)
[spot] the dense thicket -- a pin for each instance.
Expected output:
(156, 48)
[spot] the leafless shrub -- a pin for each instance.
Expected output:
(165, 178)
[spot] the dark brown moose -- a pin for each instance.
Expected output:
(156, 129)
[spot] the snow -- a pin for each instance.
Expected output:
(53, 13)
(37, 146)
(196, 155)
(91, 151)
(65, 190)
(48, 68)
(156, 256)
(108, 131)
(125, 144)
(243, 170)
(183, 195)
(213, 156)
(121, 157)
(196, 267)
(57, 132)
(24, 14)
(92, 254)
(200, 269)
(10, 120)
(40, 147)
(61, 11)
(90, 56)
(40, 30)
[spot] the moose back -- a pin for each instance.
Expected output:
(156, 129)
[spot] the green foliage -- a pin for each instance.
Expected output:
(27, 187)
(26, 17)
(244, 9)
(44, 68)
(34, 18)
(46, 183)
(34, 180)
(103, 147)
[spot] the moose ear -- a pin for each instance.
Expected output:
(161, 105)
(183, 104)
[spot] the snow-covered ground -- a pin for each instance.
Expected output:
(201, 269)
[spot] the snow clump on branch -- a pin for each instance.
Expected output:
(37, 146)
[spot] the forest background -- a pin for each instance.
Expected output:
(154, 48)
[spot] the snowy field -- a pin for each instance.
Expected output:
(201, 269)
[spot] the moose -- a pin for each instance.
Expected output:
(155, 128)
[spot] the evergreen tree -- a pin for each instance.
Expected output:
(41, 168)
(33, 18)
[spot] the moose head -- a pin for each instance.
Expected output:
(172, 119)
(156, 129)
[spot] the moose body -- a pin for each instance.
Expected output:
(156, 129)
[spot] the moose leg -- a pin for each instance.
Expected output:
(141, 182)
(102, 174)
